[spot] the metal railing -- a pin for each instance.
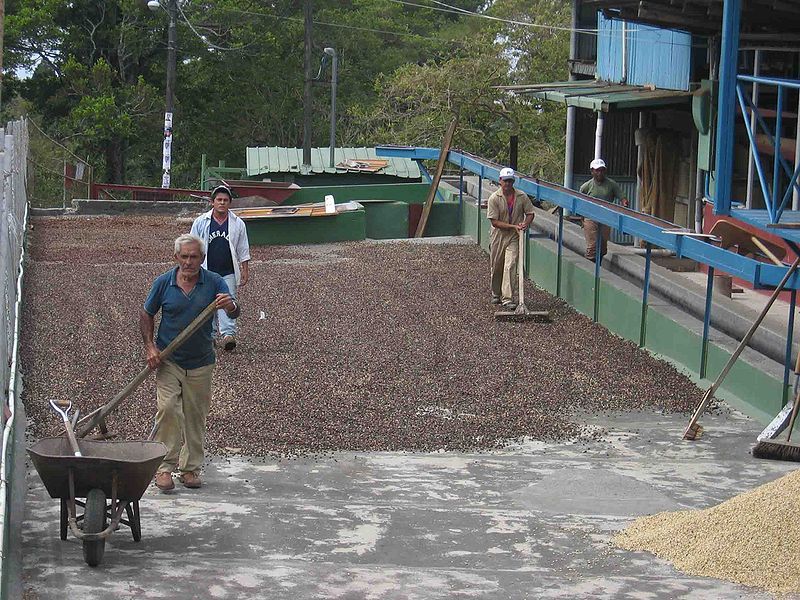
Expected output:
(13, 222)
(777, 196)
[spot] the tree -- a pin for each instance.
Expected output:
(417, 100)
(96, 71)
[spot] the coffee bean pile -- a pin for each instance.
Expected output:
(749, 539)
(355, 346)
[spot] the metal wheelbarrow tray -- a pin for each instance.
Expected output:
(119, 471)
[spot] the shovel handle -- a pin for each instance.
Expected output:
(91, 420)
(73, 442)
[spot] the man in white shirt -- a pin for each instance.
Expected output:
(227, 253)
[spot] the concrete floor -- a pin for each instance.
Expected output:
(532, 521)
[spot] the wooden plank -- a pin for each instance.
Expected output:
(426, 211)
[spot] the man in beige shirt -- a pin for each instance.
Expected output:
(510, 212)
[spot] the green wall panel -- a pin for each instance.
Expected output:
(347, 226)
(386, 220)
(746, 387)
(443, 219)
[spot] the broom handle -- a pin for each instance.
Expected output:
(740, 348)
(99, 414)
(796, 402)
(521, 266)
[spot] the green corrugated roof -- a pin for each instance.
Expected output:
(290, 160)
(600, 95)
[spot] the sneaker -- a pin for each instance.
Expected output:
(190, 479)
(495, 300)
(228, 343)
(509, 305)
(164, 481)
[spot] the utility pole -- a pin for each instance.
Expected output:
(307, 93)
(334, 80)
(172, 59)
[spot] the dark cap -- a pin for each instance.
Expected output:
(221, 189)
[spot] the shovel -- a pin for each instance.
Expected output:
(97, 417)
(64, 412)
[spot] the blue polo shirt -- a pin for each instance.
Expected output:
(178, 309)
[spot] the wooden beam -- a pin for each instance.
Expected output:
(426, 210)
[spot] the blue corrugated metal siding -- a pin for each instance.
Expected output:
(656, 56)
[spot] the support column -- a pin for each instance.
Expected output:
(645, 294)
(598, 259)
(795, 191)
(726, 107)
(560, 255)
(598, 135)
(706, 322)
(751, 160)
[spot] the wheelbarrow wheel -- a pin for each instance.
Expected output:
(94, 521)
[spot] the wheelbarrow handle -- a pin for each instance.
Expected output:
(90, 421)
(73, 442)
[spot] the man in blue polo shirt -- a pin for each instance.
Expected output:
(183, 381)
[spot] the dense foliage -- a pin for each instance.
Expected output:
(91, 73)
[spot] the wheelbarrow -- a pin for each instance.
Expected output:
(98, 471)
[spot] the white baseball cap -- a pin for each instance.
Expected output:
(507, 173)
(597, 163)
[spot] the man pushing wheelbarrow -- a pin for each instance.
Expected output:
(183, 382)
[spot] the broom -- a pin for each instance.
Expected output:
(776, 449)
(522, 313)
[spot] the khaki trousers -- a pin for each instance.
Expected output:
(590, 233)
(184, 398)
(503, 259)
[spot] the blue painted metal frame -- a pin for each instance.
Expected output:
(645, 293)
(774, 207)
(706, 322)
(626, 220)
(598, 261)
(726, 104)
(560, 255)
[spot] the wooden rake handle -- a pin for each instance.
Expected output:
(90, 421)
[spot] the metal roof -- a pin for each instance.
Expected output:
(290, 160)
(758, 17)
(601, 95)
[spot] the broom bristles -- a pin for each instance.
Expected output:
(777, 450)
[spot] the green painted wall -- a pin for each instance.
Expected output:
(386, 220)
(412, 193)
(748, 388)
(343, 227)
(443, 219)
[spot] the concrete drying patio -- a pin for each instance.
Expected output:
(350, 357)
(532, 521)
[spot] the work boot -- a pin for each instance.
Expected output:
(228, 343)
(164, 481)
(495, 299)
(509, 305)
(190, 479)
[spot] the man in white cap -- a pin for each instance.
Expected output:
(604, 188)
(510, 212)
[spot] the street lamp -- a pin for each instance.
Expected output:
(334, 78)
(172, 55)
